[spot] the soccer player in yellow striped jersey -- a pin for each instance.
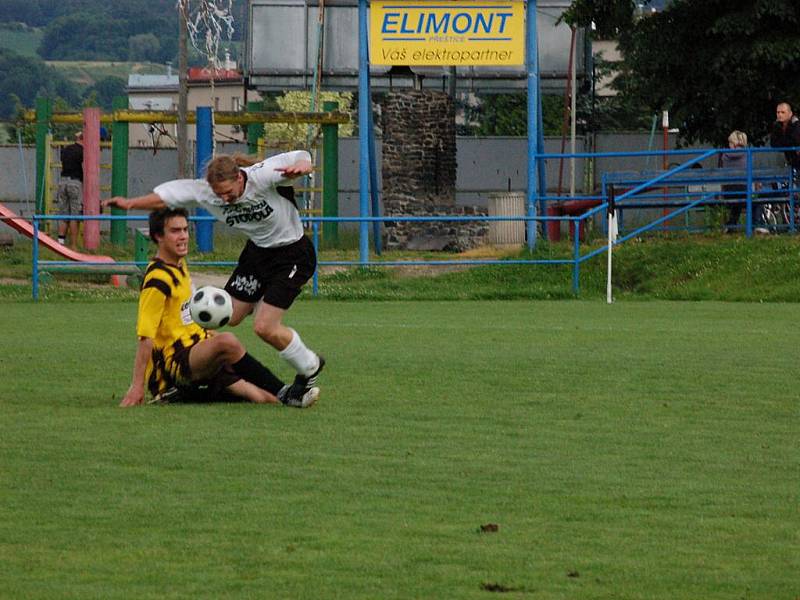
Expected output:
(255, 197)
(173, 351)
(164, 318)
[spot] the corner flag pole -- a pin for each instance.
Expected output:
(611, 225)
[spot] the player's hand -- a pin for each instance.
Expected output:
(298, 169)
(118, 201)
(133, 397)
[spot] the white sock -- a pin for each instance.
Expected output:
(299, 356)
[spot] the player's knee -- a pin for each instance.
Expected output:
(229, 345)
(267, 331)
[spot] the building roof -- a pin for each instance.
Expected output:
(163, 82)
(206, 74)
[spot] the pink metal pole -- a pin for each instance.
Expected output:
(91, 176)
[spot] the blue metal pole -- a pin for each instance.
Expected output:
(748, 217)
(792, 192)
(35, 271)
(315, 241)
(364, 111)
(532, 59)
(576, 267)
(203, 153)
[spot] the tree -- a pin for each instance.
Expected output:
(20, 11)
(105, 90)
(619, 112)
(296, 134)
(22, 79)
(716, 65)
(507, 115)
(143, 47)
(99, 37)
(605, 18)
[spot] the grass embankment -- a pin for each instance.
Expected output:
(730, 268)
(86, 73)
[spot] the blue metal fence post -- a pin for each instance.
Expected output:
(363, 131)
(315, 242)
(203, 153)
(748, 217)
(576, 269)
(532, 59)
(792, 192)
(35, 259)
(604, 197)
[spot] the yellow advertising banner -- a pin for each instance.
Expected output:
(447, 33)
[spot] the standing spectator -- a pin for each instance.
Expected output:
(785, 133)
(735, 193)
(69, 198)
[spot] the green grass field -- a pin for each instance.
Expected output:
(641, 450)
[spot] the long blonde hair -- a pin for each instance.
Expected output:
(225, 167)
(738, 138)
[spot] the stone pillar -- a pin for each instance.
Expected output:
(419, 171)
(419, 147)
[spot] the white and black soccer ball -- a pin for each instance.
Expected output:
(211, 307)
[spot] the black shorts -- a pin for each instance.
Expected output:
(178, 366)
(274, 274)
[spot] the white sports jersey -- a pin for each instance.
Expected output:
(268, 219)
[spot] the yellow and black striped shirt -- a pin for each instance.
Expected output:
(164, 317)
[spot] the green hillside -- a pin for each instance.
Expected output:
(84, 73)
(20, 39)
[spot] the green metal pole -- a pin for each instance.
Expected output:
(255, 131)
(330, 176)
(44, 111)
(119, 171)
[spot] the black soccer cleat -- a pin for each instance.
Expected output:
(301, 387)
(291, 396)
(309, 381)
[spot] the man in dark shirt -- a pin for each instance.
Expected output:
(69, 199)
(785, 133)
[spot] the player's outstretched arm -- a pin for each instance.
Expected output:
(151, 201)
(297, 169)
(135, 393)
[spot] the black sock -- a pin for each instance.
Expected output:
(249, 369)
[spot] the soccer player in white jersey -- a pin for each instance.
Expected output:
(278, 258)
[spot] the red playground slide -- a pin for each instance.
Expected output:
(25, 228)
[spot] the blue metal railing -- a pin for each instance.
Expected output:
(635, 197)
(315, 222)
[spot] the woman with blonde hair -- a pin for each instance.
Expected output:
(256, 198)
(735, 194)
